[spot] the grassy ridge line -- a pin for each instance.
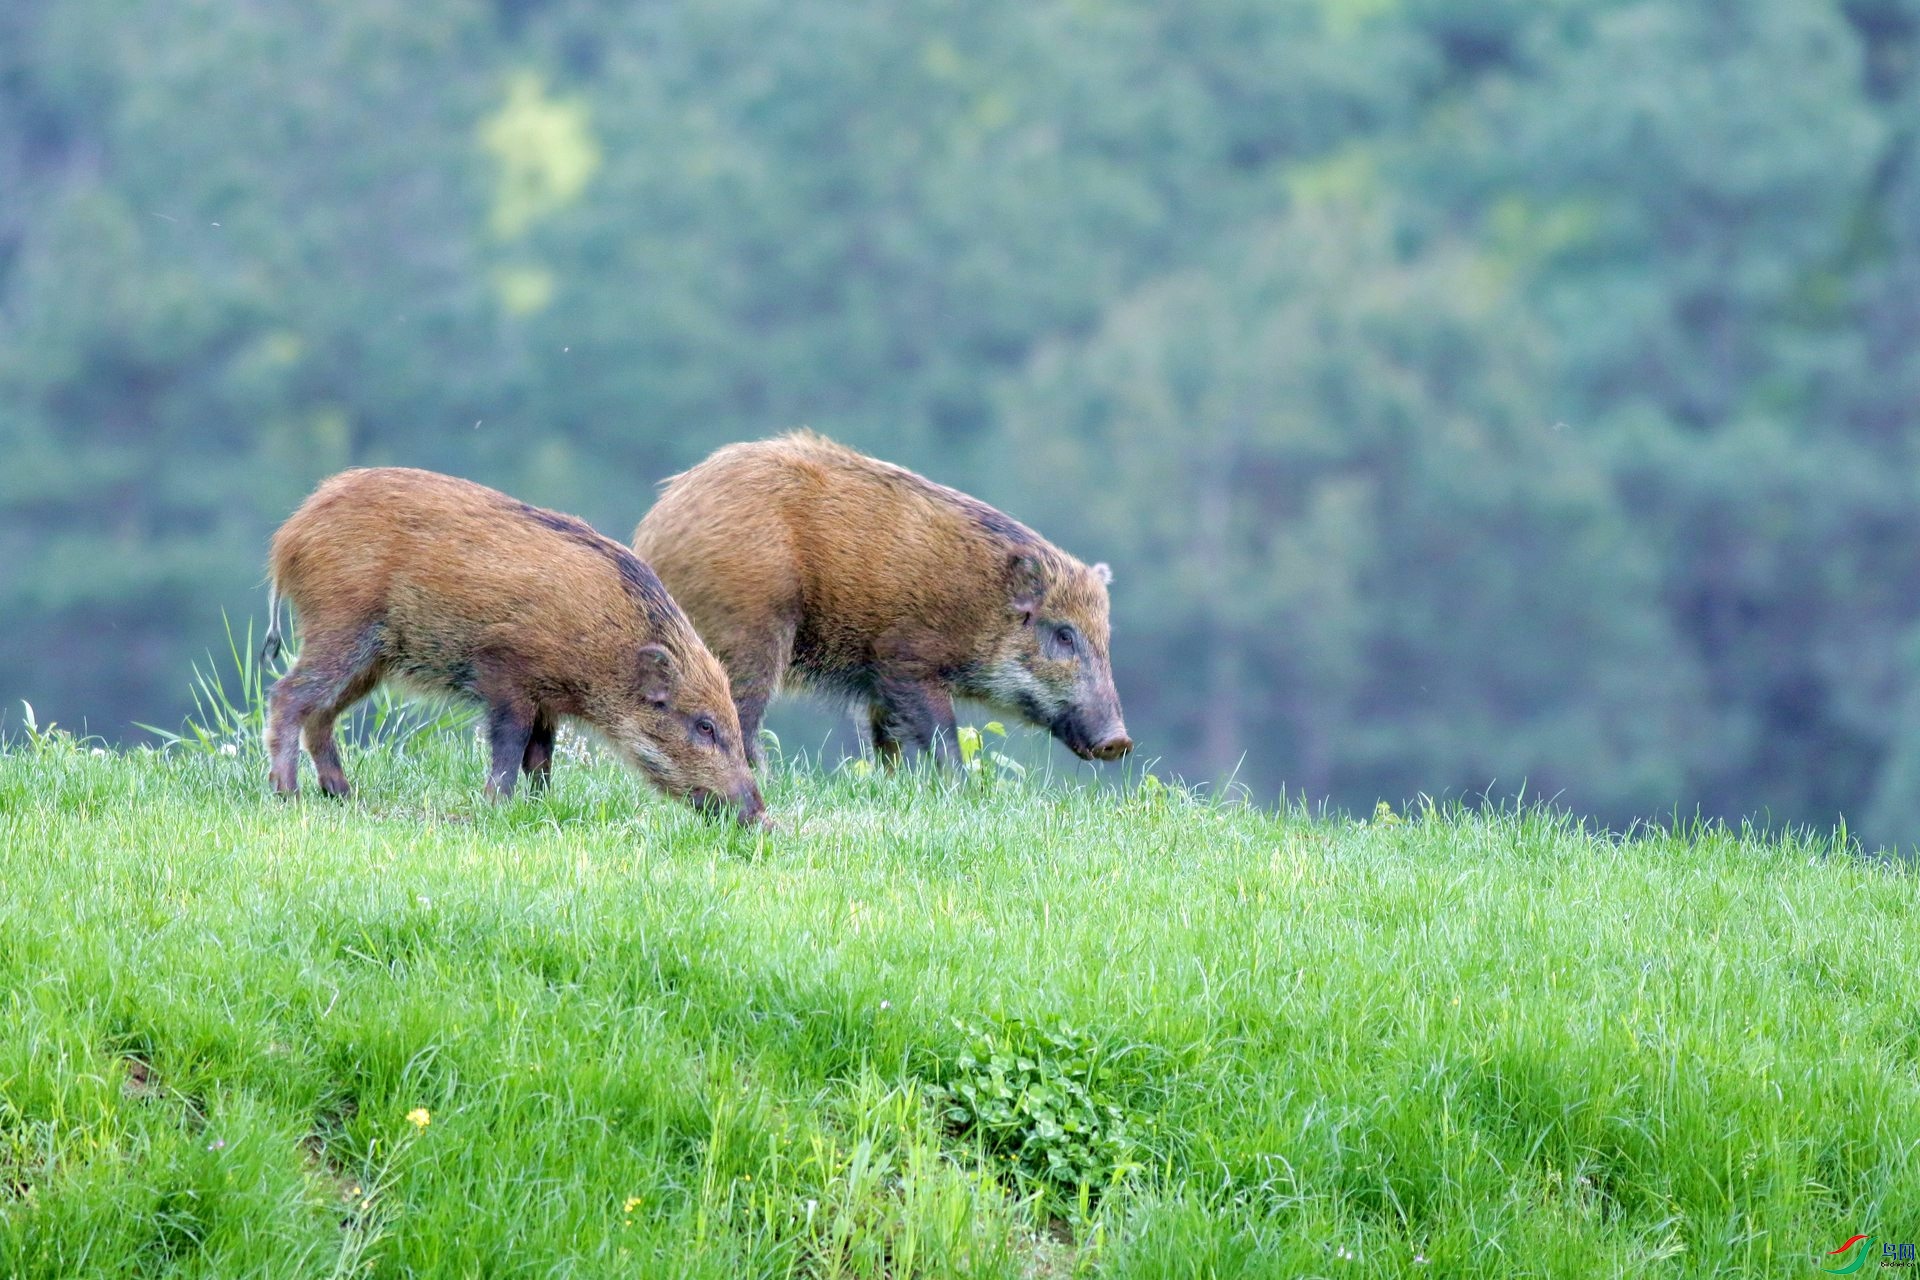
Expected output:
(647, 1045)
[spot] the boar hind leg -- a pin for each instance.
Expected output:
(327, 667)
(909, 717)
(285, 712)
(755, 676)
(537, 761)
(318, 733)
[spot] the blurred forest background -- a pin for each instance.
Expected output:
(1464, 391)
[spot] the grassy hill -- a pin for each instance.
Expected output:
(924, 1028)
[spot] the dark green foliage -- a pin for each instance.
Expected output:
(1049, 1100)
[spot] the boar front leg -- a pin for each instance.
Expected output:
(910, 717)
(537, 763)
(509, 730)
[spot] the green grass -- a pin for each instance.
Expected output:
(1455, 1044)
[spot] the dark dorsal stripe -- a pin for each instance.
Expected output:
(993, 521)
(997, 523)
(641, 583)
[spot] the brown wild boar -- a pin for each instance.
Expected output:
(801, 560)
(451, 587)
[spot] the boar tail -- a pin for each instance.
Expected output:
(270, 647)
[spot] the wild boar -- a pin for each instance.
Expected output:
(800, 560)
(452, 587)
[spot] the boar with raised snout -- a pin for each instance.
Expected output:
(801, 560)
(451, 587)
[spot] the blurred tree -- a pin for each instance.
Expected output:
(1380, 558)
(1693, 215)
(1467, 390)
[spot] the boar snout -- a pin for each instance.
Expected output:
(749, 810)
(1109, 742)
(743, 802)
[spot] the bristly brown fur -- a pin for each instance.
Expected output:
(800, 559)
(456, 588)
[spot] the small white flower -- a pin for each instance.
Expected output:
(1420, 1259)
(99, 751)
(885, 1005)
(423, 900)
(228, 749)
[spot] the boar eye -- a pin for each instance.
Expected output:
(1064, 641)
(705, 729)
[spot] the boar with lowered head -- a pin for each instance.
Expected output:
(801, 560)
(451, 587)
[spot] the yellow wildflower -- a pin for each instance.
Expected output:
(419, 1117)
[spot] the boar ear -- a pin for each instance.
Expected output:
(1029, 586)
(655, 675)
(1104, 572)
